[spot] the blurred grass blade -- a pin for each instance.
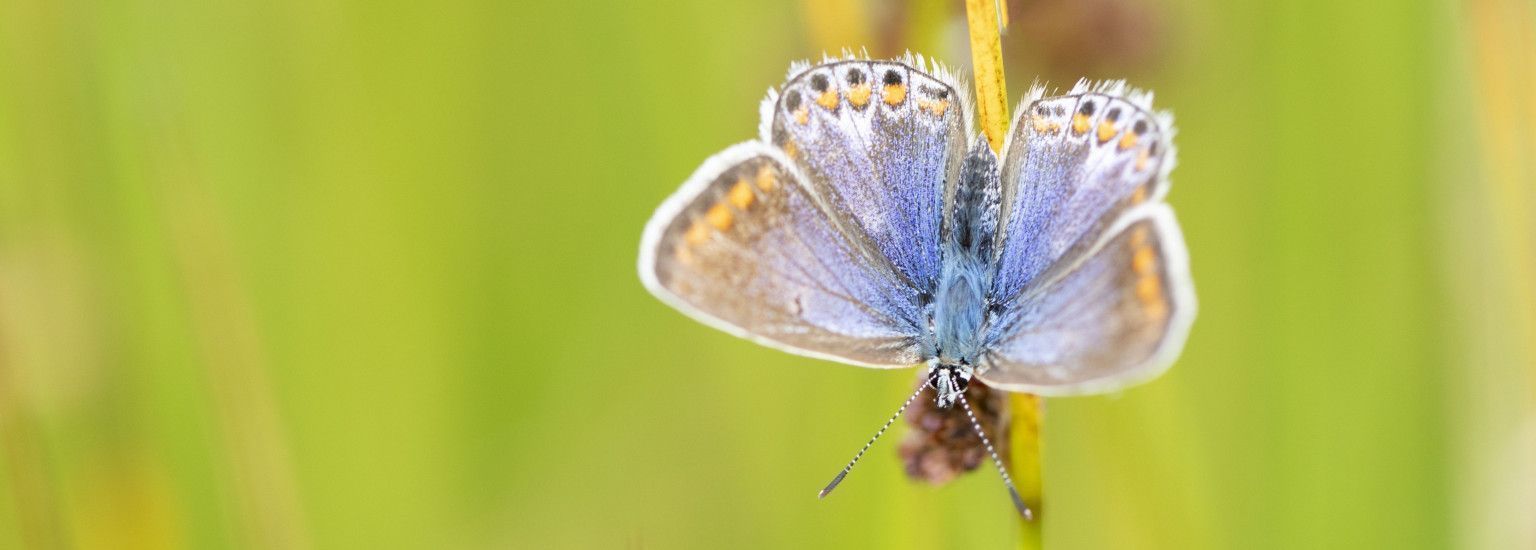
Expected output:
(1492, 259)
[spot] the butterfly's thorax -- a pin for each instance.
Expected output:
(964, 282)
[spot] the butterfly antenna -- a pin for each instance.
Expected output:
(1012, 492)
(844, 473)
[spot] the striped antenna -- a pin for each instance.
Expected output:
(1018, 502)
(844, 473)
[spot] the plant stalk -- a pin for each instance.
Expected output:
(985, 19)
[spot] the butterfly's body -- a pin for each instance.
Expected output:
(966, 279)
(871, 225)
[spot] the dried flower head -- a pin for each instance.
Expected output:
(942, 445)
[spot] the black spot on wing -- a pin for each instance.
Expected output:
(819, 82)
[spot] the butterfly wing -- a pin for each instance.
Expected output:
(838, 255)
(1071, 165)
(881, 143)
(1077, 172)
(745, 246)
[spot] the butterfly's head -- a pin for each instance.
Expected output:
(949, 381)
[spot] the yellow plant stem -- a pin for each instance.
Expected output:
(987, 61)
(984, 19)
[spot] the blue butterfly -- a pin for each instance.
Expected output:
(871, 225)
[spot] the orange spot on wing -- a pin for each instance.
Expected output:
(1045, 125)
(827, 99)
(1149, 285)
(895, 94)
(859, 95)
(1128, 140)
(1144, 260)
(1149, 291)
(741, 195)
(696, 233)
(790, 149)
(719, 216)
(935, 106)
(1141, 160)
(765, 177)
(1079, 123)
(1106, 131)
(803, 115)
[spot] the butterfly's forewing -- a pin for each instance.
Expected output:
(745, 247)
(1117, 316)
(1074, 163)
(881, 143)
(1091, 290)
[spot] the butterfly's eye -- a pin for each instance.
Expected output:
(934, 376)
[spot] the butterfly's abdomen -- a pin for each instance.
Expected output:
(958, 315)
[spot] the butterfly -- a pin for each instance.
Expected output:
(870, 224)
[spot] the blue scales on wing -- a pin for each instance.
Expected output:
(881, 143)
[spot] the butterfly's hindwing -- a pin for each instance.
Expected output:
(1116, 317)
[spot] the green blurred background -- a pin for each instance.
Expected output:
(361, 275)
